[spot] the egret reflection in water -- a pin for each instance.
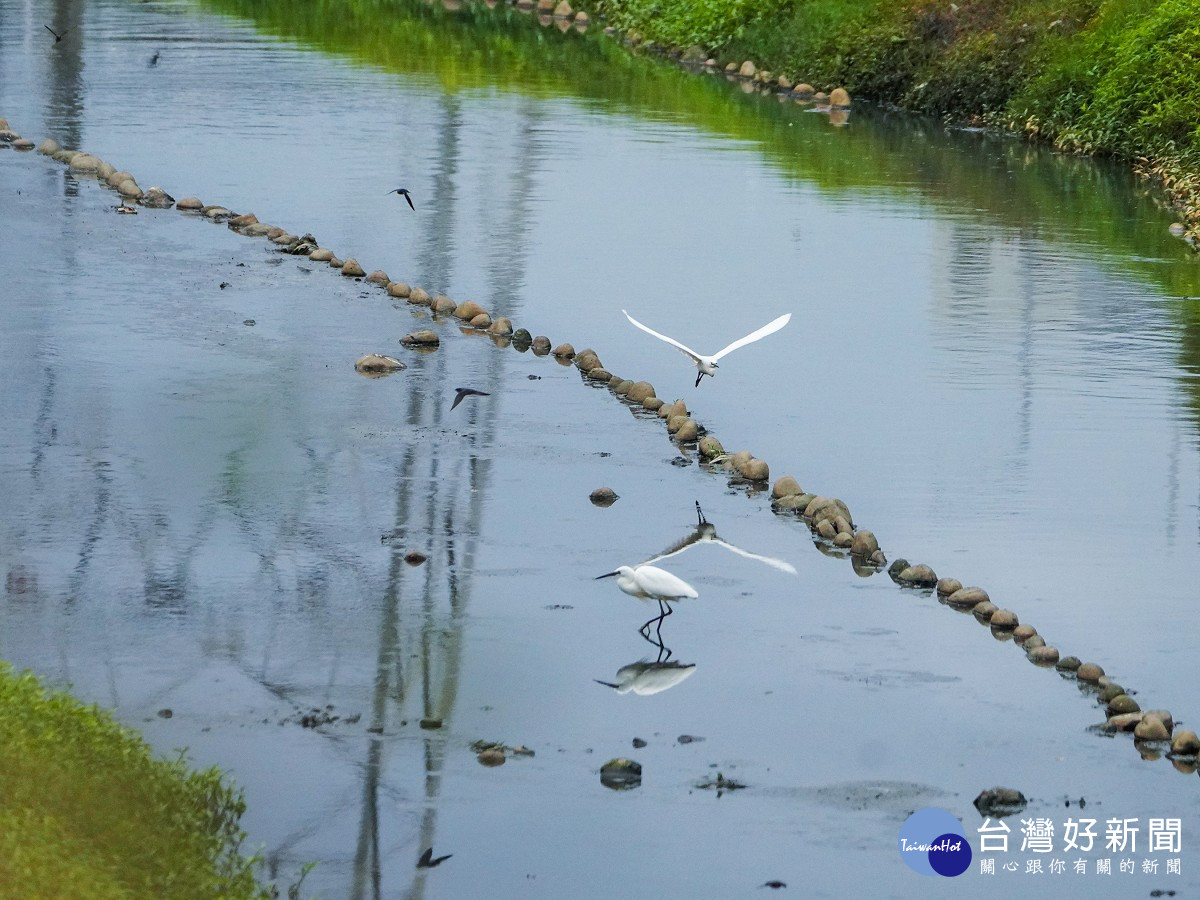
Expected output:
(645, 678)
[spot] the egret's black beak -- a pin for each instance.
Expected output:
(605, 683)
(605, 575)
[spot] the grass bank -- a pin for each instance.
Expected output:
(1115, 78)
(89, 812)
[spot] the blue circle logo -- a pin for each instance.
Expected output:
(932, 842)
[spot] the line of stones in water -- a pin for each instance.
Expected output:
(829, 520)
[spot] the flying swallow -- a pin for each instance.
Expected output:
(428, 862)
(57, 37)
(466, 392)
(404, 192)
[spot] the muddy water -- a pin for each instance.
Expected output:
(987, 361)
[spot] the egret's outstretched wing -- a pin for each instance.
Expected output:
(769, 560)
(769, 328)
(662, 337)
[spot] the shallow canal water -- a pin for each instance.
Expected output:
(206, 509)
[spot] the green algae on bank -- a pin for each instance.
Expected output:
(88, 811)
(1112, 79)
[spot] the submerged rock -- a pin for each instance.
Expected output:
(755, 470)
(984, 611)
(1005, 619)
(1043, 656)
(1110, 690)
(586, 360)
(965, 598)
(919, 575)
(1163, 716)
(1121, 704)
(621, 774)
(1089, 672)
(189, 203)
(1185, 743)
(84, 162)
(157, 198)
(501, 325)
(401, 290)
(564, 351)
(1022, 633)
(688, 432)
(468, 310)
(864, 544)
(1123, 722)
(947, 586)
(640, 391)
(785, 486)
(1151, 728)
(1000, 802)
(378, 364)
(603, 497)
(351, 268)
(128, 188)
(423, 338)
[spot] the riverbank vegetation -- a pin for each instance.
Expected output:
(1114, 78)
(89, 812)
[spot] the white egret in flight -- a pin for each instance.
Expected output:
(708, 364)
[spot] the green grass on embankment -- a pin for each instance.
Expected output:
(87, 811)
(1119, 78)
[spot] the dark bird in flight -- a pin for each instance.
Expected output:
(428, 862)
(57, 37)
(466, 392)
(404, 193)
(154, 59)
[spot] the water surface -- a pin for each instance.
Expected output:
(987, 360)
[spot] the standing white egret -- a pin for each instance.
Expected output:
(708, 364)
(651, 583)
